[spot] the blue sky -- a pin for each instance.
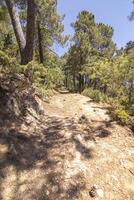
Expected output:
(112, 12)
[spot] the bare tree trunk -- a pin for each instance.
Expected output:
(66, 82)
(31, 16)
(40, 43)
(16, 26)
(74, 81)
(25, 45)
(80, 83)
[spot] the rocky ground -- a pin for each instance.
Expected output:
(70, 150)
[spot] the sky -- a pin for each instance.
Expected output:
(111, 12)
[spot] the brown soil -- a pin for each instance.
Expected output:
(64, 153)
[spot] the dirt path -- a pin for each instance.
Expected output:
(75, 105)
(73, 148)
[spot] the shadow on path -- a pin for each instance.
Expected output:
(48, 146)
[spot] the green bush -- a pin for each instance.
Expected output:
(117, 110)
(4, 59)
(96, 95)
(8, 64)
(45, 78)
(45, 93)
(120, 115)
(54, 77)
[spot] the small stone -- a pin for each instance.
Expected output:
(114, 178)
(96, 192)
(55, 189)
(93, 190)
(92, 193)
(47, 192)
(100, 193)
(83, 119)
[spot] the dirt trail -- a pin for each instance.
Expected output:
(74, 147)
(75, 105)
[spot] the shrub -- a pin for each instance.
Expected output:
(96, 95)
(45, 93)
(121, 115)
(44, 78)
(4, 59)
(117, 110)
(54, 77)
(8, 64)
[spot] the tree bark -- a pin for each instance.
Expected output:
(25, 45)
(30, 32)
(74, 81)
(40, 43)
(80, 83)
(16, 26)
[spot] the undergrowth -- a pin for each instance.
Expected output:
(44, 78)
(117, 111)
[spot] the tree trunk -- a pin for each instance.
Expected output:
(16, 26)
(40, 43)
(80, 83)
(66, 82)
(25, 45)
(74, 81)
(105, 89)
(31, 15)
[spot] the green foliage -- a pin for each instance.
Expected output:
(45, 93)
(114, 78)
(6, 39)
(91, 43)
(51, 23)
(8, 64)
(120, 115)
(4, 60)
(43, 77)
(54, 77)
(117, 111)
(91, 65)
(96, 95)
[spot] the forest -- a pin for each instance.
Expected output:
(34, 79)
(92, 65)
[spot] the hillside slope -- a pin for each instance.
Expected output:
(66, 153)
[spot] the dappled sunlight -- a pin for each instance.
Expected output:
(56, 157)
(66, 101)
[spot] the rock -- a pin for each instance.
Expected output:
(114, 178)
(96, 192)
(100, 193)
(55, 189)
(47, 193)
(93, 191)
(83, 119)
(18, 99)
